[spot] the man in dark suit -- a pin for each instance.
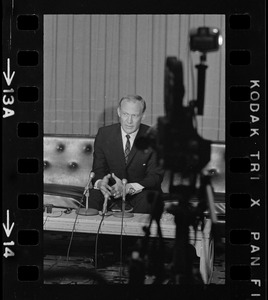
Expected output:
(116, 157)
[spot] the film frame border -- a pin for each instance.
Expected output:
(22, 149)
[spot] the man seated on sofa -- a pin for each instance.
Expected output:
(116, 157)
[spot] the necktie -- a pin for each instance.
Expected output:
(127, 148)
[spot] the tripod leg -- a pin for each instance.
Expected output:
(210, 243)
(211, 260)
(210, 203)
(207, 254)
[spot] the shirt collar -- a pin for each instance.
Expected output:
(132, 135)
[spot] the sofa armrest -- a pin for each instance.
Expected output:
(75, 192)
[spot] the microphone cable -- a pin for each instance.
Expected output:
(45, 221)
(91, 176)
(121, 248)
(96, 242)
(124, 181)
(97, 235)
(72, 234)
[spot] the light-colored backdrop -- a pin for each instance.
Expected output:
(91, 61)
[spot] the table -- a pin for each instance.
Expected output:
(58, 220)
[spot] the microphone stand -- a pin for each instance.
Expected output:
(87, 211)
(123, 214)
(104, 211)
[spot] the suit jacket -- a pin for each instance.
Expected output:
(109, 158)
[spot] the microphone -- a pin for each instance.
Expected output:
(123, 214)
(104, 211)
(89, 184)
(105, 204)
(87, 211)
(124, 182)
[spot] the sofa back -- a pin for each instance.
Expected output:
(68, 160)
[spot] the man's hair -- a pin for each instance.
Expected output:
(134, 98)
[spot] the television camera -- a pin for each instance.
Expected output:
(183, 152)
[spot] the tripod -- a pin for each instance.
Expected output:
(140, 257)
(187, 215)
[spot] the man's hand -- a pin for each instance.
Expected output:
(117, 188)
(128, 186)
(104, 187)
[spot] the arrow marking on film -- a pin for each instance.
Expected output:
(7, 75)
(7, 227)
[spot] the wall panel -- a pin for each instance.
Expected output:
(91, 61)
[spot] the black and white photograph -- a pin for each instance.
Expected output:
(134, 149)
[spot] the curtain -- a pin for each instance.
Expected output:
(91, 61)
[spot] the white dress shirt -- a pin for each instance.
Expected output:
(131, 139)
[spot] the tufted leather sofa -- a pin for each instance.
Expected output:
(68, 161)
(67, 164)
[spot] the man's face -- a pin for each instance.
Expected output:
(130, 115)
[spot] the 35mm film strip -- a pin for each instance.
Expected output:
(22, 147)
